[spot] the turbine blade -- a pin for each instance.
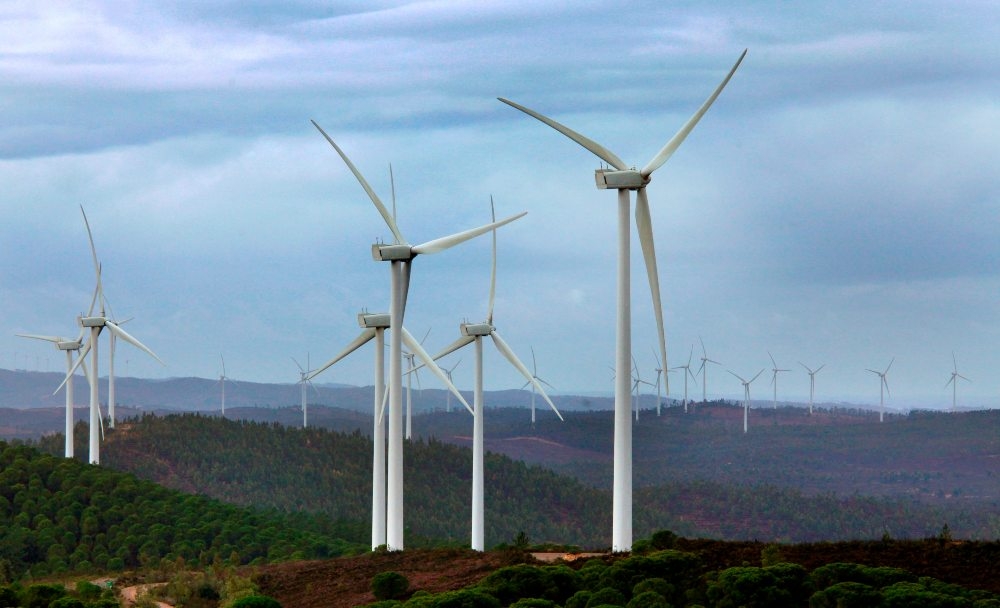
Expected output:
(457, 344)
(405, 287)
(118, 332)
(493, 266)
(675, 142)
(506, 351)
(886, 383)
(53, 339)
(362, 339)
(757, 376)
(772, 359)
(93, 252)
(418, 350)
(597, 149)
(438, 245)
(644, 225)
(893, 360)
(735, 374)
(298, 365)
(389, 220)
(819, 368)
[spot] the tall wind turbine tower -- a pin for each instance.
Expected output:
(473, 333)
(746, 397)
(953, 381)
(400, 255)
(774, 378)
(812, 383)
(625, 179)
(883, 389)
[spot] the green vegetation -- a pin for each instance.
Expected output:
(46, 595)
(389, 585)
(62, 516)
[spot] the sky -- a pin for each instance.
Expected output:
(839, 204)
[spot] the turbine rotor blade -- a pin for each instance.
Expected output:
(597, 149)
(389, 220)
(644, 226)
(53, 339)
(493, 266)
(418, 350)
(506, 351)
(675, 142)
(118, 332)
(438, 245)
(457, 344)
(363, 338)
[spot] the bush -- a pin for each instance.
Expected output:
(663, 539)
(256, 601)
(606, 596)
(40, 596)
(648, 599)
(846, 595)
(389, 585)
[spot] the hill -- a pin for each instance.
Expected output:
(60, 515)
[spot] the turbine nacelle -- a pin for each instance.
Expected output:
(476, 329)
(374, 320)
(69, 344)
(93, 321)
(392, 253)
(610, 179)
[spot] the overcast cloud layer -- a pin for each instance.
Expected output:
(838, 205)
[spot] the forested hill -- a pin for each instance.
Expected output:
(326, 472)
(62, 515)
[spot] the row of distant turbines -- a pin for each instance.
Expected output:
(387, 493)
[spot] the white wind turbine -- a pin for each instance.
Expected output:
(400, 255)
(534, 374)
(883, 388)
(222, 382)
(746, 396)
(953, 381)
(774, 378)
(625, 179)
(411, 372)
(70, 346)
(474, 333)
(373, 325)
(812, 383)
(687, 372)
(448, 372)
(703, 370)
(303, 382)
(659, 372)
(637, 381)
(96, 323)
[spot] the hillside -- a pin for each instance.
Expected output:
(325, 472)
(60, 515)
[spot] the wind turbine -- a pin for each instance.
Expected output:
(774, 378)
(659, 372)
(400, 255)
(883, 388)
(953, 381)
(746, 396)
(636, 381)
(448, 372)
(534, 374)
(222, 381)
(812, 383)
(70, 346)
(703, 370)
(303, 381)
(411, 372)
(625, 179)
(373, 325)
(687, 372)
(96, 323)
(474, 333)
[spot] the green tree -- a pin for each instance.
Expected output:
(389, 585)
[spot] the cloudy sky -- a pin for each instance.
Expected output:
(838, 205)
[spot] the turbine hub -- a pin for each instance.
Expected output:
(391, 253)
(475, 329)
(608, 179)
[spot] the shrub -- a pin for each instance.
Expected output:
(648, 599)
(256, 601)
(389, 585)
(663, 539)
(846, 595)
(606, 596)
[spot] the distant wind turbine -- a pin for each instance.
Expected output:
(883, 389)
(746, 396)
(703, 370)
(448, 372)
(534, 374)
(400, 254)
(625, 179)
(304, 384)
(812, 383)
(659, 372)
(637, 381)
(687, 372)
(222, 382)
(953, 381)
(774, 378)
